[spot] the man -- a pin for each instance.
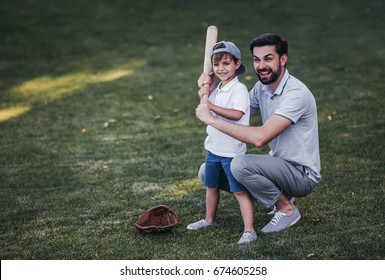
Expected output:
(289, 126)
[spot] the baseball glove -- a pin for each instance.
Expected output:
(157, 218)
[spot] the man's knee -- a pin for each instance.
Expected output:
(201, 172)
(236, 167)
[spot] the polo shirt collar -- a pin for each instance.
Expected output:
(229, 85)
(281, 85)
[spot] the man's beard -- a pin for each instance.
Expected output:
(274, 76)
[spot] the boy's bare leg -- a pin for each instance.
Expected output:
(247, 210)
(212, 200)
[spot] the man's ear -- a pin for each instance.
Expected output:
(284, 58)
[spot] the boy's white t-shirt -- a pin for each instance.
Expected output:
(235, 96)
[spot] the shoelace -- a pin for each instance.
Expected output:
(246, 234)
(277, 216)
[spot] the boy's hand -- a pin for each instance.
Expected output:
(205, 100)
(207, 78)
(203, 91)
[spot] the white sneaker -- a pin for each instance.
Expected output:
(201, 224)
(247, 237)
(282, 221)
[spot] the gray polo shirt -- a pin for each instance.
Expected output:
(298, 144)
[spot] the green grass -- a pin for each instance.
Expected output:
(97, 124)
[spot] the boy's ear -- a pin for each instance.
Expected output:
(238, 64)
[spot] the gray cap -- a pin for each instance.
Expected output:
(230, 48)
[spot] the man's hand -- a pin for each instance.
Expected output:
(203, 113)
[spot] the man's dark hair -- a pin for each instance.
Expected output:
(270, 39)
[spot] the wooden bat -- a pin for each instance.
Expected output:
(211, 40)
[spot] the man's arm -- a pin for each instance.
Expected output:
(255, 135)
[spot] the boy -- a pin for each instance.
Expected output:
(229, 101)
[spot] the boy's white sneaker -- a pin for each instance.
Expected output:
(201, 224)
(247, 237)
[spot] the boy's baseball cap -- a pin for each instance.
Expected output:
(230, 48)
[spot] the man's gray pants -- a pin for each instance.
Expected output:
(266, 177)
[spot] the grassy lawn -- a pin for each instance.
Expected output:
(97, 124)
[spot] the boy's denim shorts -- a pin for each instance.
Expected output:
(214, 169)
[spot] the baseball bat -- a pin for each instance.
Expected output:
(211, 40)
